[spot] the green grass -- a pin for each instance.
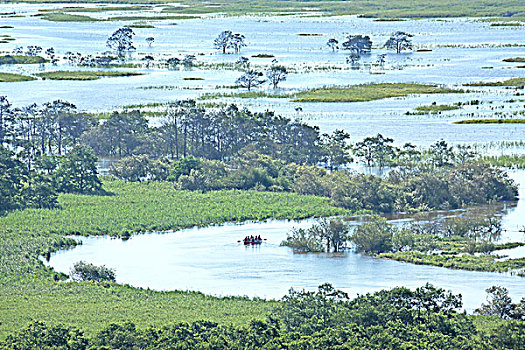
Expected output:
(367, 92)
(515, 59)
(139, 25)
(464, 262)
(27, 290)
(434, 108)
(508, 161)
(491, 121)
(12, 78)
(149, 18)
(369, 8)
(83, 75)
(65, 17)
(517, 82)
(99, 9)
(14, 59)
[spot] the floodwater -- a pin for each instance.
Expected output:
(210, 259)
(462, 51)
(214, 261)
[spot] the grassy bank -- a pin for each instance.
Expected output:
(16, 59)
(485, 263)
(12, 78)
(368, 92)
(27, 289)
(83, 75)
(491, 121)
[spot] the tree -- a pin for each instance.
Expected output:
(222, 42)
(12, 178)
(499, 303)
(237, 42)
(227, 39)
(337, 149)
(399, 41)
(373, 236)
(250, 79)
(328, 235)
(359, 44)
(243, 62)
(173, 62)
(276, 74)
(133, 168)
(148, 59)
(441, 153)
(6, 119)
(332, 43)
(377, 149)
(77, 172)
(121, 40)
(150, 40)
(189, 60)
(83, 271)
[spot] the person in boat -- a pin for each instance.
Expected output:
(246, 240)
(252, 240)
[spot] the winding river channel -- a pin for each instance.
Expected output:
(212, 261)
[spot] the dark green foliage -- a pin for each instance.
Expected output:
(425, 318)
(77, 172)
(39, 335)
(82, 271)
(12, 176)
(328, 235)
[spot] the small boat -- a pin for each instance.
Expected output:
(254, 242)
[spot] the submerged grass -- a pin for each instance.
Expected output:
(509, 9)
(13, 78)
(83, 75)
(436, 108)
(517, 82)
(20, 59)
(368, 92)
(515, 59)
(508, 161)
(491, 121)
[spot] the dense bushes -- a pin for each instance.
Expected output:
(425, 318)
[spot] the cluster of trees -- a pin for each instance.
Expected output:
(49, 156)
(240, 149)
(425, 318)
(253, 78)
(329, 235)
(478, 229)
(226, 40)
(359, 45)
(38, 186)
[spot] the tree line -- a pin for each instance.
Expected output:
(206, 149)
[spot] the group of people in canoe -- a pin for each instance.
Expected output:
(252, 240)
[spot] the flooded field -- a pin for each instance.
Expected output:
(455, 52)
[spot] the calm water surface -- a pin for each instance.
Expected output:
(211, 260)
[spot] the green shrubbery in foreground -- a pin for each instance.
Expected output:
(426, 318)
